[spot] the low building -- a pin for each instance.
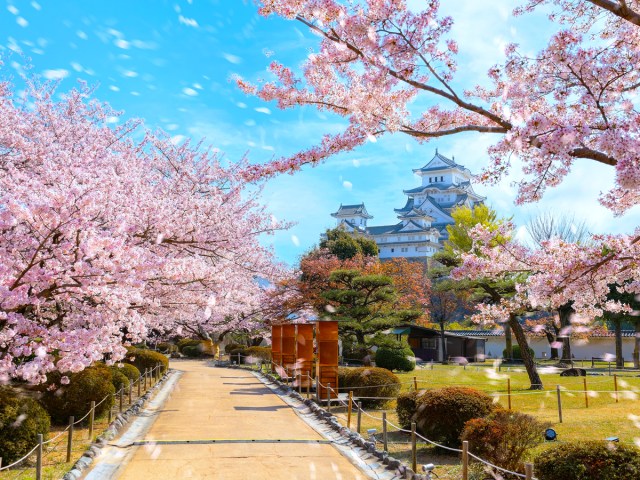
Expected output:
(598, 345)
(426, 343)
(422, 227)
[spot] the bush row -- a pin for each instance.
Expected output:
(369, 382)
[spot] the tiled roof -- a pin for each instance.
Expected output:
(346, 210)
(500, 333)
(447, 161)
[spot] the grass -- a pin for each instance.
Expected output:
(54, 462)
(603, 418)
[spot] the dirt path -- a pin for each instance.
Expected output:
(257, 436)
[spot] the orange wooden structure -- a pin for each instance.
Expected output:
(289, 348)
(327, 365)
(276, 346)
(304, 352)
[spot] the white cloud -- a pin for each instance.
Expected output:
(295, 240)
(76, 66)
(176, 139)
(348, 185)
(356, 162)
(22, 22)
(13, 9)
(190, 92)
(264, 110)
(142, 45)
(241, 105)
(250, 123)
(113, 88)
(172, 126)
(120, 43)
(55, 74)
(189, 22)
(129, 73)
(232, 58)
(81, 35)
(36, 6)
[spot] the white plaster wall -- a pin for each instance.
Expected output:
(594, 347)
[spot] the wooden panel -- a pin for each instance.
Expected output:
(289, 347)
(327, 366)
(304, 352)
(276, 346)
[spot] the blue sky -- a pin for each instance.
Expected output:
(170, 63)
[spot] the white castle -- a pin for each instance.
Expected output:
(423, 220)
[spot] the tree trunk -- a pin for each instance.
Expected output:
(360, 337)
(443, 339)
(508, 342)
(617, 324)
(636, 347)
(564, 314)
(529, 364)
(552, 340)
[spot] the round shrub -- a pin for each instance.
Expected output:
(516, 353)
(406, 406)
(233, 354)
(187, 342)
(143, 359)
(21, 420)
(119, 379)
(193, 351)
(128, 370)
(395, 359)
(262, 353)
(228, 348)
(504, 437)
(93, 383)
(586, 460)
(166, 347)
(369, 382)
(442, 413)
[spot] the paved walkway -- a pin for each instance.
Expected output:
(257, 436)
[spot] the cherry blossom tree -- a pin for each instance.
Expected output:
(575, 100)
(109, 232)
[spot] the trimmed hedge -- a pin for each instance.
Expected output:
(193, 351)
(119, 379)
(187, 342)
(93, 383)
(441, 414)
(166, 347)
(143, 359)
(406, 407)
(516, 353)
(262, 353)
(395, 359)
(129, 371)
(504, 437)
(587, 460)
(369, 382)
(21, 420)
(228, 348)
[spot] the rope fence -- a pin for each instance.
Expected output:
(145, 381)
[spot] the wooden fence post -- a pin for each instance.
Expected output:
(39, 458)
(130, 393)
(70, 439)
(509, 391)
(615, 386)
(349, 409)
(359, 405)
(528, 471)
(91, 419)
(465, 460)
(329, 397)
(414, 459)
(121, 398)
(586, 395)
(384, 431)
(559, 403)
(415, 383)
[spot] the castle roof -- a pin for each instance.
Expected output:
(352, 211)
(397, 228)
(439, 162)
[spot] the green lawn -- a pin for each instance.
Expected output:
(604, 418)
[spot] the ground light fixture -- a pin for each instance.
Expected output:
(372, 434)
(550, 435)
(428, 469)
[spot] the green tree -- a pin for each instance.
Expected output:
(346, 245)
(618, 318)
(364, 304)
(485, 290)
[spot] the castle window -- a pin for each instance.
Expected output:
(429, 179)
(392, 250)
(442, 179)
